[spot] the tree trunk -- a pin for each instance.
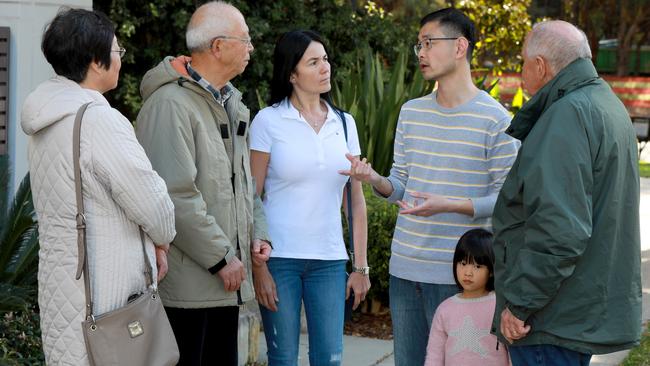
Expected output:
(637, 64)
(632, 15)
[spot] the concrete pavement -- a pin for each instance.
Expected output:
(359, 351)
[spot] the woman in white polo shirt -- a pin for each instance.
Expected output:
(298, 145)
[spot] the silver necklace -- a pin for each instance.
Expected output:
(315, 123)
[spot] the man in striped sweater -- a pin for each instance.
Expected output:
(451, 157)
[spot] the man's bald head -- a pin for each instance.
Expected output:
(558, 42)
(216, 18)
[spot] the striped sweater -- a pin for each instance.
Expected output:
(461, 153)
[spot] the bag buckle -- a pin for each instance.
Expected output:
(135, 329)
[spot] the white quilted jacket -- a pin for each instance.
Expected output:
(121, 192)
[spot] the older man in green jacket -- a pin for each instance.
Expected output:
(567, 242)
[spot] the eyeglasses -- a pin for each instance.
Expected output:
(121, 51)
(246, 41)
(428, 43)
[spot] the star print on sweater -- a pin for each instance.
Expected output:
(460, 334)
(468, 337)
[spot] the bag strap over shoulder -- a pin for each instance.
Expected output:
(348, 190)
(82, 247)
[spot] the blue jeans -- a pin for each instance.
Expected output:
(546, 355)
(412, 306)
(320, 284)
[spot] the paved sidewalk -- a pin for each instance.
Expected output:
(359, 351)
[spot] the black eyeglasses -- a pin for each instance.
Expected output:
(428, 43)
(121, 51)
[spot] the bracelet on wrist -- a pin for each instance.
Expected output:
(362, 270)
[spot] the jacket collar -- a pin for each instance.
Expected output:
(579, 73)
(181, 65)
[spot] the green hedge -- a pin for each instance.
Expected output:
(381, 224)
(20, 338)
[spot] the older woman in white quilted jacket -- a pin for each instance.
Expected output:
(121, 191)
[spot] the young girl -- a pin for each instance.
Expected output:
(460, 332)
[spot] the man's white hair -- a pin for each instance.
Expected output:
(558, 42)
(216, 18)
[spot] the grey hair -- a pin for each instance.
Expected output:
(559, 42)
(210, 20)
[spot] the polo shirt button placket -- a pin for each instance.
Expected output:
(320, 154)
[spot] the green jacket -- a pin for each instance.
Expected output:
(566, 223)
(209, 180)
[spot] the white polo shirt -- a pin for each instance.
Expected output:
(303, 190)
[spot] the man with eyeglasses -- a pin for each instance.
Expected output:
(451, 157)
(194, 126)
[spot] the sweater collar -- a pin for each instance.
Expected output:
(579, 73)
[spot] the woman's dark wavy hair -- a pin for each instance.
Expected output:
(288, 51)
(475, 246)
(74, 39)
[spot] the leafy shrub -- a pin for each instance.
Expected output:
(152, 30)
(382, 216)
(373, 94)
(20, 338)
(18, 243)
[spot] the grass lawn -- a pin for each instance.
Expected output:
(640, 356)
(644, 170)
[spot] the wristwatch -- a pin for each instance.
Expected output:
(363, 270)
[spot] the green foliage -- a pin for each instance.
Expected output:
(644, 170)
(501, 28)
(18, 244)
(20, 341)
(374, 95)
(640, 356)
(152, 30)
(382, 216)
(20, 338)
(149, 31)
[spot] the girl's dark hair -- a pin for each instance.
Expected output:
(74, 39)
(476, 246)
(288, 51)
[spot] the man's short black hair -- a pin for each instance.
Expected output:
(454, 23)
(74, 39)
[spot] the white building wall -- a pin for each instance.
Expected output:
(27, 66)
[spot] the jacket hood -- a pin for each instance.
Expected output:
(173, 70)
(576, 75)
(54, 100)
(169, 70)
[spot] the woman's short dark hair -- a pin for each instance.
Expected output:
(455, 24)
(74, 39)
(475, 246)
(288, 51)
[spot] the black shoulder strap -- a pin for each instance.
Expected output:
(345, 123)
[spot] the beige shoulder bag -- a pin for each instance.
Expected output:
(136, 334)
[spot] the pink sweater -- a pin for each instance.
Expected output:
(460, 334)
